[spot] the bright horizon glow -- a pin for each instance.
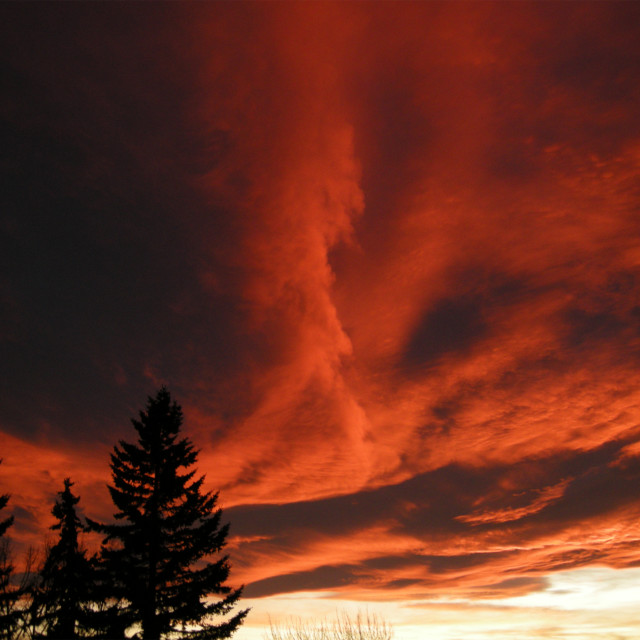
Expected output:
(589, 603)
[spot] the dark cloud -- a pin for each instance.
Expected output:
(591, 62)
(447, 507)
(434, 500)
(24, 521)
(319, 579)
(511, 587)
(105, 234)
(588, 327)
(452, 326)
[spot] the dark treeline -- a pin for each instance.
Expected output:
(158, 573)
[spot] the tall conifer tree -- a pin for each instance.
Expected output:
(58, 604)
(157, 557)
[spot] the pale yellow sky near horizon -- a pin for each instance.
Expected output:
(591, 603)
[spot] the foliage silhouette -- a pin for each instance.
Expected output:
(153, 573)
(59, 597)
(9, 614)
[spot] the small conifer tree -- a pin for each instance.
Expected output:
(156, 559)
(59, 598)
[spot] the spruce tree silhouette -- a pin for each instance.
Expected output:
(155, 562)
(8, 594)
(59, 597)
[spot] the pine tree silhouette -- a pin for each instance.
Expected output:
(155, 562)
(59, 599)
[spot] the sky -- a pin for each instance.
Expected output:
(385, 255)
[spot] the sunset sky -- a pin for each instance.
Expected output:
(387, 258)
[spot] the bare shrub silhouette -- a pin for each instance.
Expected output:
(344, 627)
